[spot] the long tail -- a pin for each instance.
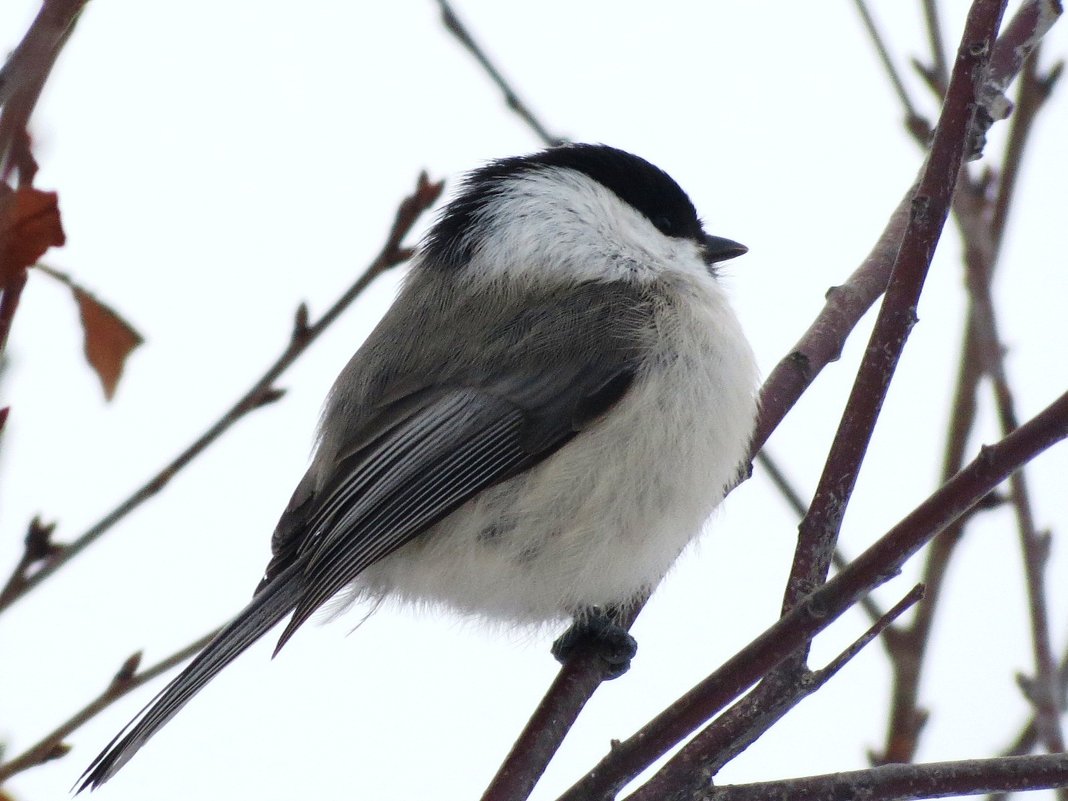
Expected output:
(267, 608)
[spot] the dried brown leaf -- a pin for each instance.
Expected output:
(29, 225)
(108, 339)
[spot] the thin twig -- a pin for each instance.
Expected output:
(1028, 737)
(511, 98)
(1041, 691)
(793, 499)
(690, 769)
(1031, 98)
(128, 679)
(823, 341)
(938, 73)
(262, 391)
(916, 123)
(905, 782)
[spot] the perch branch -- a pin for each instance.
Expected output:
(877, 565)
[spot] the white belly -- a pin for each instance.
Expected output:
(601, 520)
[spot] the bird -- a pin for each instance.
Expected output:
(544, 418)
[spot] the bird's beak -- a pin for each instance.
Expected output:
(718, 249)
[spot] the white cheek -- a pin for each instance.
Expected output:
(571, 228)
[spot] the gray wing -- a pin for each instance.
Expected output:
(414, 444)
(439, 451)
(436, 446)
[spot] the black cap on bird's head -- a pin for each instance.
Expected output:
(642, 185)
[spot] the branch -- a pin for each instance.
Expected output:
(877, 565)
(937, 75)
(459, 30)
(1042, 690)
(930, 208)
(916, 124)
(261, 393)
(545, 731)
(822, 343)
(1028, 736)
(128, 679)
(982, 224)
(793, 499)
(24, 74)
(701, 758)
(902, 782)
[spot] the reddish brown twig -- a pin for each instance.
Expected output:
(915, 122)
(545, 731)
(982, 222)
(703, 756)
(903, 782)
(793, 499)
(937, 74)
(930, 208)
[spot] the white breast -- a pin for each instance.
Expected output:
(601, 520)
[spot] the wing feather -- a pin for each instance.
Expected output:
(406, 446)
(453, 448)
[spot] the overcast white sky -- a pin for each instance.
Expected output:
(218, 163)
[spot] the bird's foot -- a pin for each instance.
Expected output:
(597, 632)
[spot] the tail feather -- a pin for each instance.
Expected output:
(267, 608)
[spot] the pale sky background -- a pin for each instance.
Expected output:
(217, 163)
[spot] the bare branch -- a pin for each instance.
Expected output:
(818, 610)
(126, 680)
(24, 74)
(545, 731)
(1042, 690)
(793, 498)
(459, 30)
(700, 759)
(930, 208)
(822, 343)
(915, 122)
(982, 225)
(262, 391)
(937, 74)
(903, 782)
(1025, 741)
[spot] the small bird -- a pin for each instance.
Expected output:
(544, 418)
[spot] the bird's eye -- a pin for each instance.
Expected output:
(663, 223)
